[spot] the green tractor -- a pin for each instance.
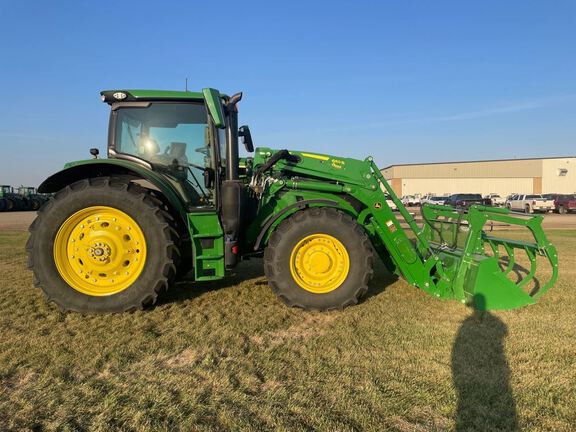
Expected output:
(32, 199)
(10, 200)
(174, 197)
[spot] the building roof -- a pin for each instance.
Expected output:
(501, 168)
(479, 161)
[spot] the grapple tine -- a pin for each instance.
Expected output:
(532, 272)
(511, 258)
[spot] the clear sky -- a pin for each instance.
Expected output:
(404, 81)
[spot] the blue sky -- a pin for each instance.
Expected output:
(409, 81)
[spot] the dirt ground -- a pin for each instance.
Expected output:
(17, 221)
(20, 221)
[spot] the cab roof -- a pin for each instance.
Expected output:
(112, 96)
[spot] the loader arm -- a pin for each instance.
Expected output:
(450, 256)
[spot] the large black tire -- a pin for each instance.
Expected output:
(2, 204)
(10, 204)
(35, 204)
(319, 221)
(132, 199)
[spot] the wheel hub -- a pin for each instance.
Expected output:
(100, 251)
(319, 263)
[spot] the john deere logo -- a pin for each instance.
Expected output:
(377, 205)
(338, 164)
(119, 95)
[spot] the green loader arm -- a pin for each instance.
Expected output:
(450, 256)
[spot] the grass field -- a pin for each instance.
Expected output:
(229, 356)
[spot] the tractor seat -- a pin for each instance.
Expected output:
(177, 151)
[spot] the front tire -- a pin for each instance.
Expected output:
(101, 245)
(319, 258)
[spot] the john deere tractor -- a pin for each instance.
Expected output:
(10, 200)
(32, 200)
(173, 197)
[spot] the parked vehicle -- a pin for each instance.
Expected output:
(551, 196)
(465, 200)
(31, 198)
(434, 200)
(495, 199)
(565, 203)
(438, 200)
(11, 201)
(410, 200)
(391, 203)
(530, 203)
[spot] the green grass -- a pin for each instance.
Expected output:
(228, 355)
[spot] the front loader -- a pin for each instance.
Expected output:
(174, 197)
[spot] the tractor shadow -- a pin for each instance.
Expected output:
(187, 289)
(381, 280)
(481, 375)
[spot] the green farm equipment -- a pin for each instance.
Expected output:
(10, 200)
(32, 199)
(174, 198)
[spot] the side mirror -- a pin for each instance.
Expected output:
(209, 178)
(244, 132)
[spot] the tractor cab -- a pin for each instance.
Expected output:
(27, 191)
(5, 190)
(190, 137)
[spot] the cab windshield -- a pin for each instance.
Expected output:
(170, 135)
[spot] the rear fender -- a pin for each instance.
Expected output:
(111, 167)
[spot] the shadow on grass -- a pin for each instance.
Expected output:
(187, 288)
(482, 376)
(381, 280)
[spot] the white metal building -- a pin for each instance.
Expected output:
(537, 175)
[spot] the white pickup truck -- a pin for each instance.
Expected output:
(529, 203)
(496, 200)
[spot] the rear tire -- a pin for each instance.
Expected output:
(49, 261)
(562, 210)
(35, 204)
(336, 242)
(528, 209)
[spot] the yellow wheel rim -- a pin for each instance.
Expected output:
(100, 251)
(319, 263)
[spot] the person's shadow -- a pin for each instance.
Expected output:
(481, 374)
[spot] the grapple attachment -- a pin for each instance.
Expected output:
(455, 254)
(477, 264)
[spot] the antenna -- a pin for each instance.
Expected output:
(186, 84)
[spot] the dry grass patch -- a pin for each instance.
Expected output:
(229, 356)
